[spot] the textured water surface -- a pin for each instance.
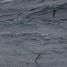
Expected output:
(30, 36)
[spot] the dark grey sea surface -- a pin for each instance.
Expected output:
(29, 34)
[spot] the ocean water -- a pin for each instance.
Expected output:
(29, 34)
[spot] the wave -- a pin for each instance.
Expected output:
(14, 14)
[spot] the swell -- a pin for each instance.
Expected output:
(12, 14)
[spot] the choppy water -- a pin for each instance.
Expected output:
(30, 36)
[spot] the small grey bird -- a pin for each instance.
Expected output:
(54, 12)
